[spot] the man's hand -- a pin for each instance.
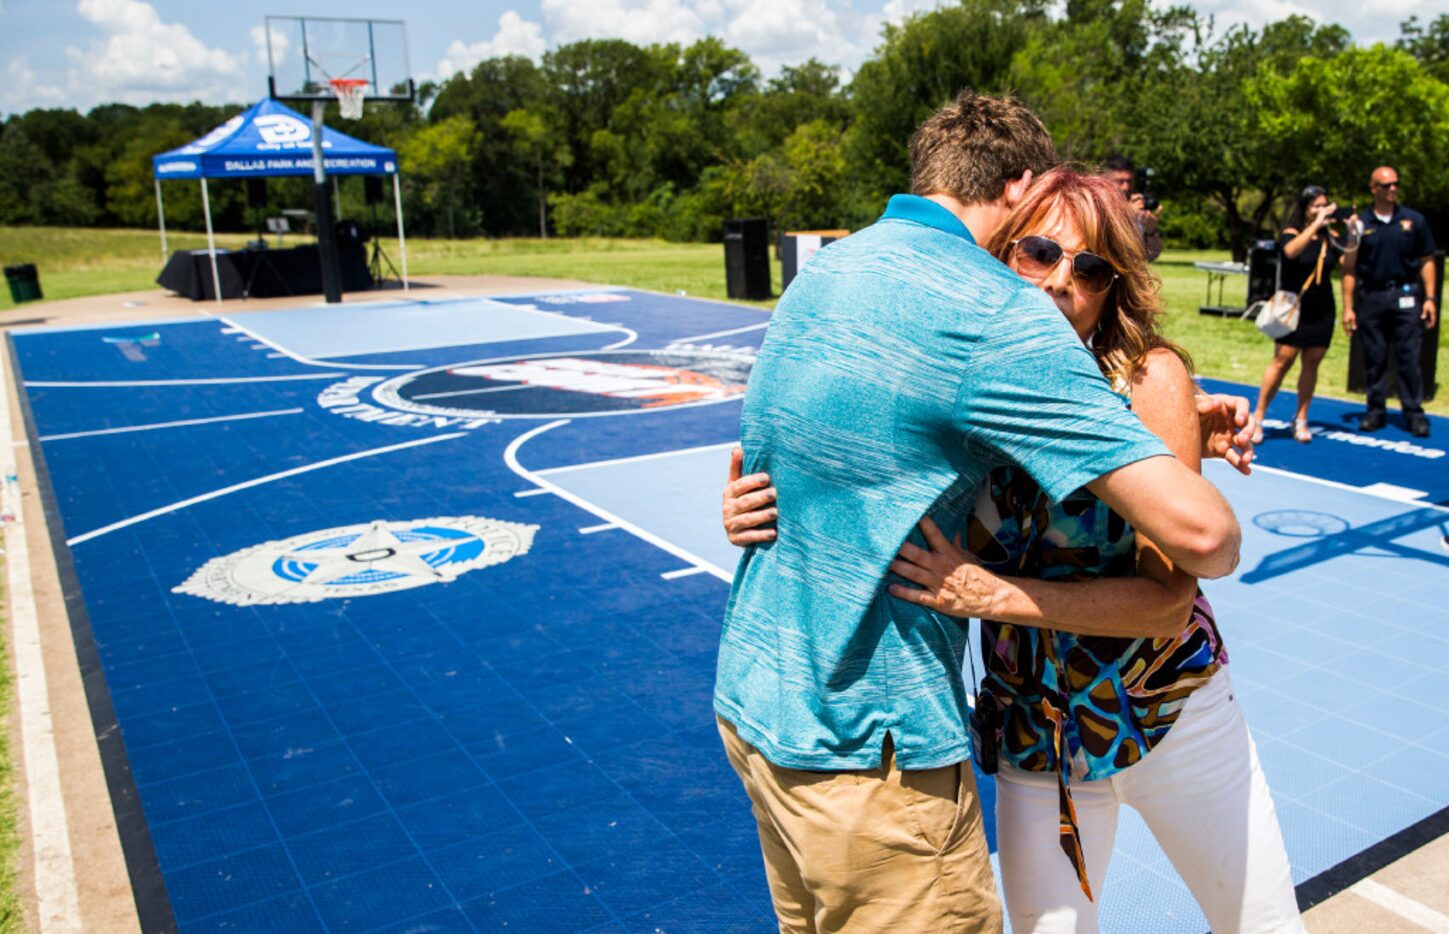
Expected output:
(1350, 321)
(1429, 313)
(1229, 429)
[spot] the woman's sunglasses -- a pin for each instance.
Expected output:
(1036, 257)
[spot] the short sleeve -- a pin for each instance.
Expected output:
(1033, 396)
(1423, 240)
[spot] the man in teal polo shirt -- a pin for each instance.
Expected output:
(901, 366)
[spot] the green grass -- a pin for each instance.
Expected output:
(75, 262)
(12, 918)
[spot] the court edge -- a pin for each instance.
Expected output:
(148, 887)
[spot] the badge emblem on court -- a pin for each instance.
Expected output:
(359, 560)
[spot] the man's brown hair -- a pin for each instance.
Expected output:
(973, 146)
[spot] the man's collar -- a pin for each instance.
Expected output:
(927, 212)
(1374, 213)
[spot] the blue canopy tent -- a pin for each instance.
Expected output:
(271, 139)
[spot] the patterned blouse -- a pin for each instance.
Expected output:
(1085, 707)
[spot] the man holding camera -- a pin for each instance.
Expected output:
(1388, 298)
(1119, 171)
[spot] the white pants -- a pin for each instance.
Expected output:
(1203, 795)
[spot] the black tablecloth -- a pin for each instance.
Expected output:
(294, 271)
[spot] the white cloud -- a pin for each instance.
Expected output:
(1367, 22)
(639, 21)
(281, 45)
(23, 91)
(515, 36)
(142, 58)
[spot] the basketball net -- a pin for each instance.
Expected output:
(349, 93)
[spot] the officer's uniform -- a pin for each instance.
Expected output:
(1388, 302)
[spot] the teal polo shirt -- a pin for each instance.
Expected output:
(903, 364)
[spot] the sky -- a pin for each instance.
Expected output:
(78, 53)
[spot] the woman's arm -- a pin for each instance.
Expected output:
(1154, 604)
(1302, 238)
(749, 505)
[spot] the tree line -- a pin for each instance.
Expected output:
(604, 137)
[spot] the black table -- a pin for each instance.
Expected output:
(293, 271)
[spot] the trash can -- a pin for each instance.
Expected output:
(1428, 351)
(747, 258)
(797, 246)
(24, 282)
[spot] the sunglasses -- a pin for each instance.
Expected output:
(1036, 257)
(1386, 184)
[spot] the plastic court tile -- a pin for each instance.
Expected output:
(408, 615)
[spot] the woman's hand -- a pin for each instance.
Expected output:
(1323, 215)
(1229, 429)
(749, 505)
(950, 580)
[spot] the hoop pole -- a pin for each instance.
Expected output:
(210, 239)
(402, 243)
(326, 234)
(161, 216)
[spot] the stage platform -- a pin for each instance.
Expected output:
(408, 621)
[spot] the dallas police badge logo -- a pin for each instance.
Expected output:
(359, 560)
(578, 385)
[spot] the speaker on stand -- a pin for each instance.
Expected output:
(379, 260)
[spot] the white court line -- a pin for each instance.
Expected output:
(701, 337)
(181, 424)
(1334, 484)
(597, 528)
(550, 471)
(259, 481)
(510, 457)
(56, 891)
(1401, 905)
(217, 381)
(522, 493)
(682, 572)
(472, 392)
(308, 361)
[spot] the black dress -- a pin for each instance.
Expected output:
(1318, 312)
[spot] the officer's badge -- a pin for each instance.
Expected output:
(1406, 224)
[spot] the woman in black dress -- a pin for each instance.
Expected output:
(1301, 243)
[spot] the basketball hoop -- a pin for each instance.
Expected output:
(349, 93)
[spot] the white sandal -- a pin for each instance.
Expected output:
(1301, 434)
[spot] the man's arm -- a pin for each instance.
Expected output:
(1429, 275)
(1183, 514)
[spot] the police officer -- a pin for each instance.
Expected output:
(1388, 294)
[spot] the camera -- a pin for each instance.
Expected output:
(985, 728)
(1150, 202)
(1342, 214)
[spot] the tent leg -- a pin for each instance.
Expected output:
(210, 240)
(402, 243)
(161, 216)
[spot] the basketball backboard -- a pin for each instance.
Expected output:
(304, 53)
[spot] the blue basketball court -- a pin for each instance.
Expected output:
(407, 615)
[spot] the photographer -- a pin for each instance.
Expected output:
(1119, 171)
(1309, 256)
(1388, 297)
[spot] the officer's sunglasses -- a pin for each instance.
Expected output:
(1036, 257)
(1386, 184)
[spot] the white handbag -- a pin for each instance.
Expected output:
(1278, 316)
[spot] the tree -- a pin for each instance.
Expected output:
(1337, 118)
(541, 143)
(1192, 124)
(920, 65)
(437, 158)
(1429, 44)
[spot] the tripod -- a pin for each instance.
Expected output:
(379, 258)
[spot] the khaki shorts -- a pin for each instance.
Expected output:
(873, 850)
